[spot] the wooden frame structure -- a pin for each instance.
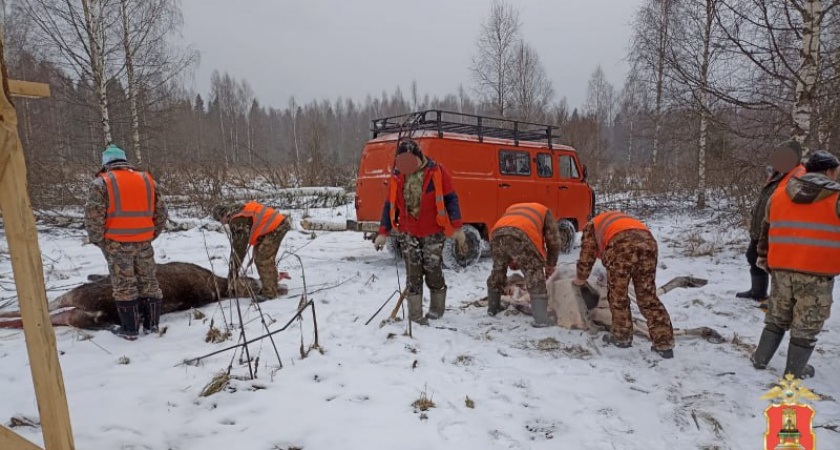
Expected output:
(22, 236)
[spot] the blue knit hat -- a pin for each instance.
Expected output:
(113, 153)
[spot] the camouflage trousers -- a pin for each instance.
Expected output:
(424, 260)
(132, 269)
(632, 255)
(801, 303)
(513, 245)
(265, 259)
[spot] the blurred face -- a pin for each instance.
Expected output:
(407, 163)
(784, 159)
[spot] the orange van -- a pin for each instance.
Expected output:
(494, 163)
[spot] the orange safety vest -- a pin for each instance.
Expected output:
(804, 237)
(442, 216)
(131, 206)
(797, 171)
(610, 223)
(528, 217)
(264, 220)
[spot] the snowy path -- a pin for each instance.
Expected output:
(547, 388)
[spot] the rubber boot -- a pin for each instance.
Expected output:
(415, 309)
(150, 309)
(797, 360)
(611, 339)
(539, 309)
(665, 354)
(494, 302)
(129, 312)
(770, 340)
(758, 291)
(437, 305)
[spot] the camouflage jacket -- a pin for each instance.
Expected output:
(589, 247)
(551, 233)
(97, 206)
(807, 189)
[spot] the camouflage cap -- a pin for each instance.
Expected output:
(225, 210)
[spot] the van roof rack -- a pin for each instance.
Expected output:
(469, 124)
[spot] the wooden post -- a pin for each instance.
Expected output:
(28, 269)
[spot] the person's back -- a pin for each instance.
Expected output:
(123, 215)
(800, 245)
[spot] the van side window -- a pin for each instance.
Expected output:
(568, 169)
(513, 162)
(544, 168)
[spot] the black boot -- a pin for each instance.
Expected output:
(494, 302)
(771, 338)
(129, 312)
(150, 309)
(797, 359)
(665, 354)
(758, 291)
(611, 339)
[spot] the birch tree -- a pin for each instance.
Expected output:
(492, 65)
(649, 50)
(531, 88)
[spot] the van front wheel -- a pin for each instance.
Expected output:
(453, 260)
(567, 235)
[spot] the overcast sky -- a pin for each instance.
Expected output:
(316, 49)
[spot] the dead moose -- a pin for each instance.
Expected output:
(185, 286)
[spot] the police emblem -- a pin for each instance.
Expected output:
(790, 423)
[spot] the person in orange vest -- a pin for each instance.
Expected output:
(629, 253)
(422, 206)
(800, 245)
(526, 237)
(258, 226)
(785, 164)
(123, 215)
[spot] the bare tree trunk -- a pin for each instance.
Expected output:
(704, 105)
(660, 76)
(630, 143)
(96, 38)
(132, 83)
(806, 82)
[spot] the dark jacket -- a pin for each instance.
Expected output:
(760, 209)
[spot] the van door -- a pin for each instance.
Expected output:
(546, 184)
(573, 193)
(516, 183)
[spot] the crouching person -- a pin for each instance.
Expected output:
(423, 206)
(629, 253)
(526, 237)
(260, 227)
(800, 243)
(123, 215)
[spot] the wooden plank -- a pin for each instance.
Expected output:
(10, 439)
(19, 222)
(28, 89)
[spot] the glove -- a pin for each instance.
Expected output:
(379, 242)
(549, 271)
(578, 282)
(762, 264)
(461, 240)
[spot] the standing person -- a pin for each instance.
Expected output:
(785, 164)
(423, 206)
(123, 215)
(262, 228)
(629, 253)
(800, 244)
(525, 237)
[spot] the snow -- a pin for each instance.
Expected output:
(532, 388)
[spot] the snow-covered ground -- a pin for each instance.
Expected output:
(531, 388)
